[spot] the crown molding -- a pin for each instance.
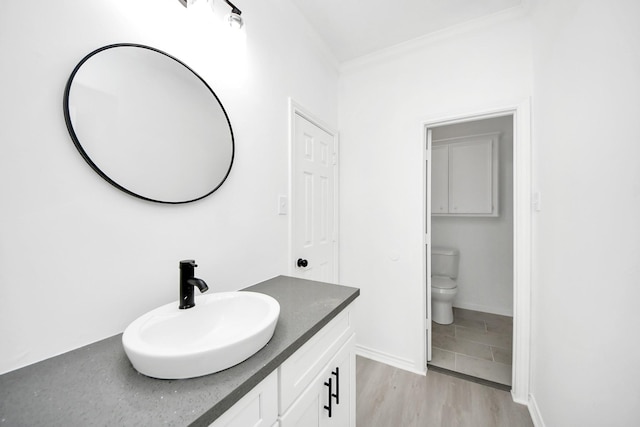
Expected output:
(421, 42)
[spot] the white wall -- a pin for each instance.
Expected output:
(384, 101)
(485, 276)
(79, 260)
(585, 351)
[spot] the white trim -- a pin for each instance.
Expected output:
(297, 109)
(425, 349)
(464, 138)
(404, 48)
(522, 158)
(534, 411)
(389, 359)
(484, 308)
(522, 233)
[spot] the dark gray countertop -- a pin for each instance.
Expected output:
(96, 385)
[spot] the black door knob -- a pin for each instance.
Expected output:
(302, 262)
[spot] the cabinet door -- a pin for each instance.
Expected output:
(471, 177)
(258, 408)
(342, 389)
(334, 388)
(305, 412)
(440, 179)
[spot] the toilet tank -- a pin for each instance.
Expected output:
(444, 262)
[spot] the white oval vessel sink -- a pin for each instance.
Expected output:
(222, 330)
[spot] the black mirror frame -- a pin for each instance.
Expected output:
(85, 156)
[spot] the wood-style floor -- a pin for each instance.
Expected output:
(391, 397)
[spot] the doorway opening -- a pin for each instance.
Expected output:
(472, 213)
(476, 180)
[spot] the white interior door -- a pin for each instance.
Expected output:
(314, 201)
(429, 196)
(439, 178)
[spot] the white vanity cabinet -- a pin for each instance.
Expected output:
(328, 400)
(314, 387)
(313, 343)
(320, 377)
(464, 176)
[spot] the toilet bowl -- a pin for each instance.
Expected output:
(443, 291)
(444, 288)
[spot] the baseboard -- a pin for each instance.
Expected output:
(388, 359)
(515, 398)
(534, 411)
(484, 309)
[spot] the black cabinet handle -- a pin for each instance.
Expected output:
(302, 262)
(328, 408)
(337, 393)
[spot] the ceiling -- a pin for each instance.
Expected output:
(353, 28)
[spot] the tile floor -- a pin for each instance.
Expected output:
(477, 344)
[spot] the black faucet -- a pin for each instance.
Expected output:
(187, 282)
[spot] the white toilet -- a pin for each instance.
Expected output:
(444, 271)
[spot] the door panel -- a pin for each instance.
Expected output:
(314, 202)
(440, 179)
(431, 194)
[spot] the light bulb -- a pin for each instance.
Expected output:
(187, 3)
(235, 21)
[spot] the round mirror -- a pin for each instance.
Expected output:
(148, 124)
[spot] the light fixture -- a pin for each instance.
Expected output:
(234, 18)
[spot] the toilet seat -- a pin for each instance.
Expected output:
(442, 282)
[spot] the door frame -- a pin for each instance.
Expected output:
(522, 157)
(295, 109)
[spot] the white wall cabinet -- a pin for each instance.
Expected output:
(314, 387)
(464, 176)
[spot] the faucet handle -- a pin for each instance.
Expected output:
(188, 263)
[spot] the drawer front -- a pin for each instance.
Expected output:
(297, 372)
(258, 408)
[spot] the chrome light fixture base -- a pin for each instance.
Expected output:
(234, 18)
